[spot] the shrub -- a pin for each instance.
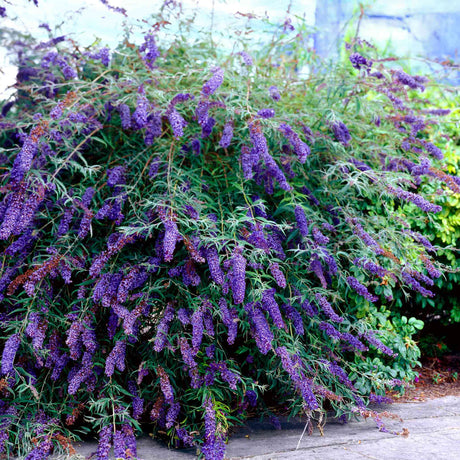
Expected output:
(189, 236)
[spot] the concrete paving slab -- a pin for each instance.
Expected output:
(434, 434)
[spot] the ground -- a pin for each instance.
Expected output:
(438, 377)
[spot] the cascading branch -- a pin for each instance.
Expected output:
(183, 243)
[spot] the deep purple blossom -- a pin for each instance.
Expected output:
(36, 329)
(207, 127)
(266, 113)
(125, 116)
(300, 148)
(370, 337)
(177, 123)
(227, 135)
(415, 285)
(165, 385)
(214, 82)
(330, 330)
(10, 349)
(212, 257)
(302, 224)
(341, 132)
(150, 50)
(141, 112)
(171, 237)
(230, 319)
(418, 200)
(161, 337)
(105, 442)
(327, 309)
(274, 93)
(269, 304)
(172, 414)
(319, 237)
(361, 289)
(116, 358)
(358, 61)
(13, 215)
(407, 80)
(197, 327)
(260, 328)
(187, 353)
(295, 317)
(238, 280)
(278, 275)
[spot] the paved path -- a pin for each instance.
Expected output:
(434, 434)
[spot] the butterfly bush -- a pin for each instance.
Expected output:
(185, 239)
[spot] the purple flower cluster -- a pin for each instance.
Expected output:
(293, 315)
(358, 61)
(270, 305)
(418, 200)
(260, 328)
(341, 132)
(116, 358)
(177, 122)
(141, 113)
(214, 82)
(274, 93)
(300, 148)
(415, 285)
(150, 50)
(10, 349)
(161, 337)
(247, 59)
(230, 319)
(319, 237)
(293, 367)
(213, 447)
(372, 267)
(198, 327)
(327, 308)
(238, 276)
(361, 289)
(302, 224)
(266, 113)
(374, 341)
(165, 385)
(407, 80)
(278, 275)
(227, 135)
(125, 116)
(170, 239)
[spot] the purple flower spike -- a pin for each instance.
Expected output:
(150, 50)
(361, 289)
(116, 358)
(170, 239)
(274, 93)
(177, 123)
(161, 337)
(278, 275)
(266, 113)
(227, 135)
(301, 220)
(327, 309)
(247, 59)
(9, 353)
(105, 442)
(214, 82)
(341, 133)
(238, 280)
